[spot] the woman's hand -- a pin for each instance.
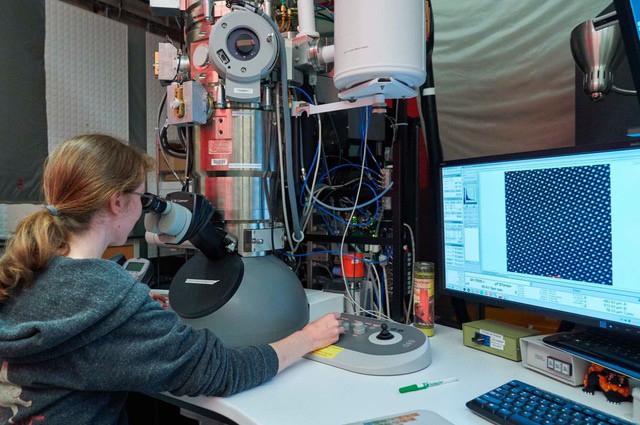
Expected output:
(162, 299)
(324, 331)
(315, 335)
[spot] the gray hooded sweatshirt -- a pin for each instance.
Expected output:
(85, 333)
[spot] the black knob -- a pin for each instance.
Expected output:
(384, 333)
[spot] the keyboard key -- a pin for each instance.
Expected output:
(521, 420)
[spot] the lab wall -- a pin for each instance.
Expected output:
(86, 69)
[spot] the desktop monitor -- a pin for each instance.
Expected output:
(554, 232)
(628, 14)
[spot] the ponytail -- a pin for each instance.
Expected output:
(38, 237)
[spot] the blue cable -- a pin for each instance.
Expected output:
(367, 223)
(315, 156)
(374, 158)
(363, 131)
(335, 217)
(365, 123)
(319, 6)
(346, 165)
(377, 197)
(368, 118)
(321, 178)
(306, 178)
(326, 165)
(305, 94)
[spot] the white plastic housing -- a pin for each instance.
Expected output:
(171, 226)
(379, 39)
(306, 18)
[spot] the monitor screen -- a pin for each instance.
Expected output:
(553, 232)
(628, 13)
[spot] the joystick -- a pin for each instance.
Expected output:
(384, 333)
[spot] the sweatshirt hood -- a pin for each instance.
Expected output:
(69, 305)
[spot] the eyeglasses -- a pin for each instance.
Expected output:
(145, 198)
(151, 202)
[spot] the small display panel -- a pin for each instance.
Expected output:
(134, 266)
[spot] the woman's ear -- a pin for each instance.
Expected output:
(116, 203)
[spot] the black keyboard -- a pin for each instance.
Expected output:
(616, 351)
(518, 403)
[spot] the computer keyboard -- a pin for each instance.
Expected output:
(518, 403)
(616, 351)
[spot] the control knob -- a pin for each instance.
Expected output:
(358, 327)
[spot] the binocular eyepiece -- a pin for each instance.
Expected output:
(153, 203)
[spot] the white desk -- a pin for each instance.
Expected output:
(313, 393)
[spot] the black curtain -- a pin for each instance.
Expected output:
(23, 112)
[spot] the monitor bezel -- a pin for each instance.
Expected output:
(489, 301)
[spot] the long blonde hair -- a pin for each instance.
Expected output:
(80, 176)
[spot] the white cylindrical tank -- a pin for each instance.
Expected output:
(377, 39)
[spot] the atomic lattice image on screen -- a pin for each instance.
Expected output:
(559, 223)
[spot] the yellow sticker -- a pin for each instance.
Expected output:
(329, 352)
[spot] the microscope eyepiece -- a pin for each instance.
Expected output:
(153, 203)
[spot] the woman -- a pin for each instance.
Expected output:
(78, 332)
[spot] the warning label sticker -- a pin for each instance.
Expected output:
(329, 352)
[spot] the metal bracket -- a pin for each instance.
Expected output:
(377, 101)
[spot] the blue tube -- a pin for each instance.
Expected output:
(305, 94)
